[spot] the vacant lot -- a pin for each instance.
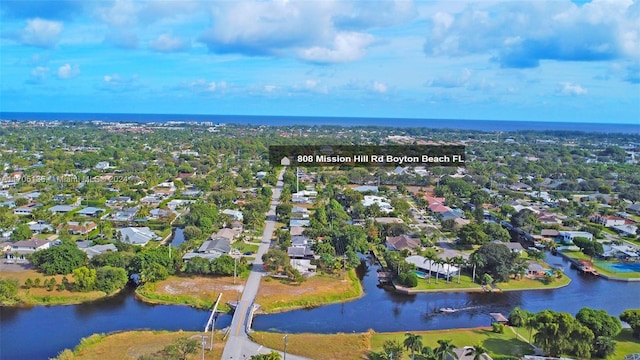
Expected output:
(40, 295)
(196, 291)
(318, 346)
(275, 295)
(133, 344)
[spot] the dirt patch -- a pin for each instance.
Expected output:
(198, 285)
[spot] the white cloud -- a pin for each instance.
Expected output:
(521, 34)
(168, 43)
(379, 87)
(67, 71)
(38, 75)
(118, 83)
(571, 89)
(41, 33)
(348, 46)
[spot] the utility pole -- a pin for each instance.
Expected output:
(235, 261)
(285, 346)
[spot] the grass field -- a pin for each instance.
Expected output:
(244, 247)
(41, 296)
(318, 346)
(275, 296)
(626, 344)
(531, 284)
(133, 344)
(499, 346)
(443, 285)
(196, 291)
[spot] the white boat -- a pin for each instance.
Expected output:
(447, 310)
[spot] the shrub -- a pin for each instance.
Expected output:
(497, 328)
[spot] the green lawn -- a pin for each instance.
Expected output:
(626, 344)
(529, 284)
(244, 247)
(499, 346)
(442, 285)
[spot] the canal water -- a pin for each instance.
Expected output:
(386, 311)
(42, 332)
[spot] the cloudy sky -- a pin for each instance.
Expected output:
(508, 60)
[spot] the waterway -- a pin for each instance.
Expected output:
(387, 311)
(42, 332)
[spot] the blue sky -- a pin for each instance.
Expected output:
(502, 60)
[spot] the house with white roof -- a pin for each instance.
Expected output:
(137, 235)
(383, 203)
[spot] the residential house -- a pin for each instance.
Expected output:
(159, 214)
(296, 230)
(303, 266)
(151, 200)
(102, 165)
(237, 226)
(234, 214)
(98, 249)
(62, 209)
(210, 249)
(634, 208)
(137, 235)
(568, 236)
(366, 189)
(520, 187)
(90, 211)
(626, 230)
(402, 242)
(24, 210)
(299, 222)
(40, 227)
(535, 270)
(119, 200)
(125, 215)
(388, 220)
(299, 212)
(549, 233)
(20, 249)
(300, 252)
(515, 247)
(226, 233)
(464, 353)
(608, 221)
(383, 203)
(81, 228)
(431, 267)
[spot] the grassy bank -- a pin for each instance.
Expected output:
(467, 285)
(133, 344)
(41, 296)
(197, 291)
(531, 284)
(277, 296)
(318, 346)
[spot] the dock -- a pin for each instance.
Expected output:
(498, 318)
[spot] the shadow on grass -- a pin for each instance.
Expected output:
(510, 347)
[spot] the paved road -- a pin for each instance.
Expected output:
(238, 345)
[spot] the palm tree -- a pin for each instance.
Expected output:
(460, 262)
(476, 260)
(445, 349)
(430, 257)
(413, 343)
(477, 351)
(428, 353)
(448, 261)
(439, 262)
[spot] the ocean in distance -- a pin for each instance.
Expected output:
(482, 125)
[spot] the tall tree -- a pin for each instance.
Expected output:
(413, 343)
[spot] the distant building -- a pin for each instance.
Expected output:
(98, 249)
(402, 242)
(234, 214)
(210, 249)
(568, 236)
(137, 235)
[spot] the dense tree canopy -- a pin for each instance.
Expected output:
(496, 260)
(61, 259)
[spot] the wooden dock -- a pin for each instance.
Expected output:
(378, 257)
